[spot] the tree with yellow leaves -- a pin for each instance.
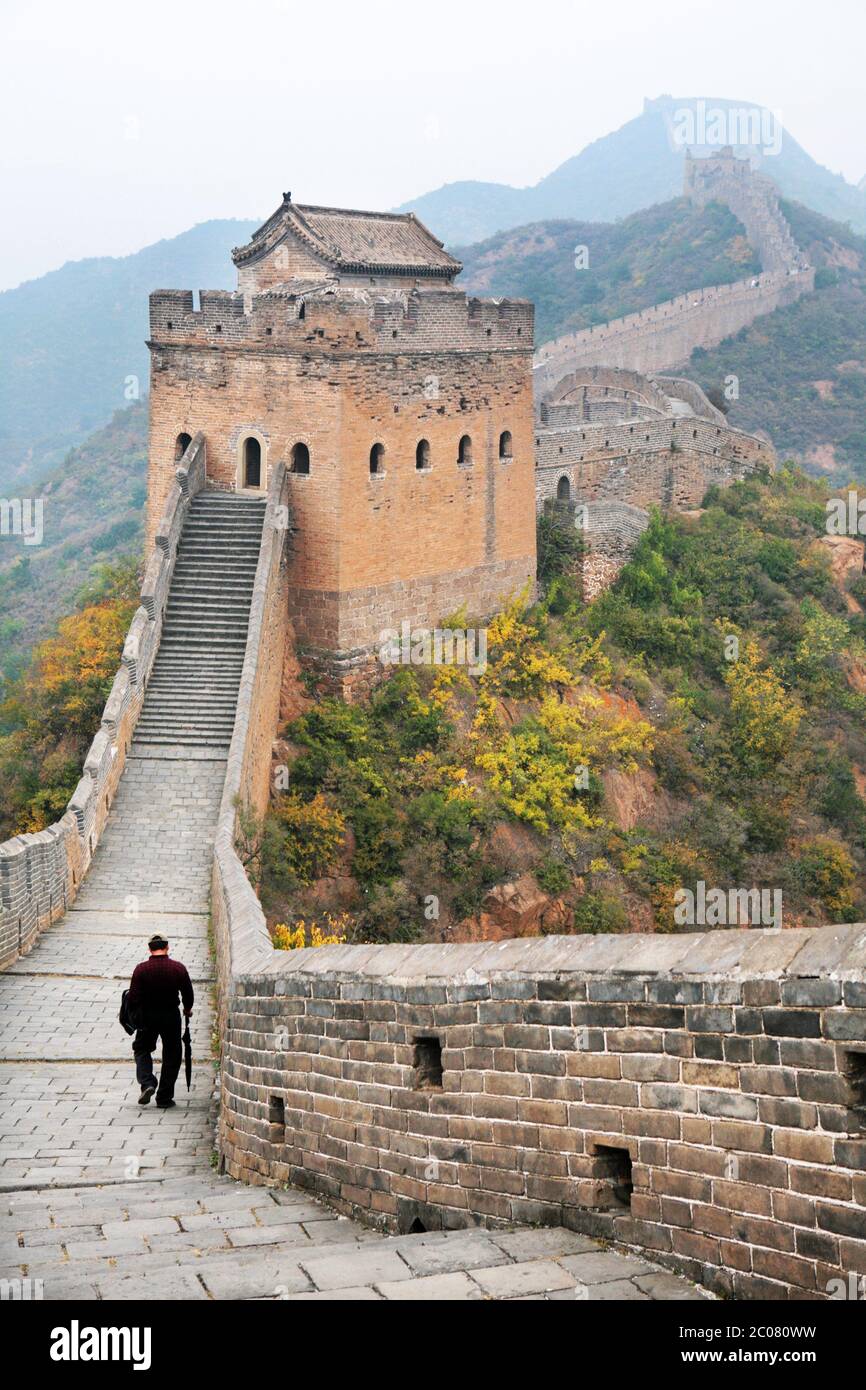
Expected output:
(764, 717)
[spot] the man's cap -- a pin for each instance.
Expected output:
(158, 943)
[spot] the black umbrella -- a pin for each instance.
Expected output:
(187, 1055)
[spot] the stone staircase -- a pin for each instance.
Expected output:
(193, 689)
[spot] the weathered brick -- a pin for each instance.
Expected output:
(792, 1023)
(822, 1182)
(819, 993)
(655, 1016)
(850, 1153)
(728, 1105)
(709, 1019)
(653, 1068)
(842, 1221)
(788, 1269)
(768, 1081)
(659, 1096)
(792, 1114)
(804, 1147)
(793, 1210)
(845, 1025)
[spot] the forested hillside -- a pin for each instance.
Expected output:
(703, 721)
(649, 257)
(93, 515)
(50, 713)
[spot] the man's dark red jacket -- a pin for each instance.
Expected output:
(155, 986)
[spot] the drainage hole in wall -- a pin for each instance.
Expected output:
(855, 1072)
(428, 1064)
(277, 1119)
(616, 1172)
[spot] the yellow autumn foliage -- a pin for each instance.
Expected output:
(332, 931)
(765, 717)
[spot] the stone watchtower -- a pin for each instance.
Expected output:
(402, 409)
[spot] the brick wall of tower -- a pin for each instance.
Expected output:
(370, 551)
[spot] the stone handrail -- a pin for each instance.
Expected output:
(40, 873)
(242, 939)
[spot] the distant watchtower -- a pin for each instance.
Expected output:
(402, 409)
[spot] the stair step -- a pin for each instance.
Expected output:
(205, 675)
(207, 613)
(181, 628)
(230, 603)
(225, 530)
(189, 742)
(185, 726)
(195, 702)
(169, 735)
(182, 705)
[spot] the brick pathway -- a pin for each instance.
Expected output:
(101, 1198)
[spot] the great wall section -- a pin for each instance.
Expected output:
(487, 1112)
(665, 336)
(616, 434)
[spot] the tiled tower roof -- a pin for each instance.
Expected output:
(354, 242)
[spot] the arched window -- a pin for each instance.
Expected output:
(464, 453)
(300, 459)
(422, 455)
(252, 462)
(505, 444)
(302, 310)
(377, 457)
(563, 490)
(181, 445)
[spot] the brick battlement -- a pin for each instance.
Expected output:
(666, 334)
(562, 448)
(342, 323)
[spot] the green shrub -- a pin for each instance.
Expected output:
(553, 877)
(599, 913)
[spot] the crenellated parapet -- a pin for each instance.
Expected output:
(338, 321)
(665, 335)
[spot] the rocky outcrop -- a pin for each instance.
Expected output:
(517, 909)
(846, 564)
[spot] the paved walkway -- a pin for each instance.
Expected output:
(101, 1198)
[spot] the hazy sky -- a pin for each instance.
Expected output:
(124, 123)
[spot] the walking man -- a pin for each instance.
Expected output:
(153, 1006)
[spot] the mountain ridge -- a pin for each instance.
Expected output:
(628, 169)
(73, 342)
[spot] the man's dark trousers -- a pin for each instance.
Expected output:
(167, 1027)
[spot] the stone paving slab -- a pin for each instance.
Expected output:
(64, 952)
(72, 1019)
(68, 954)
(189, 926)
(134, 1253)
